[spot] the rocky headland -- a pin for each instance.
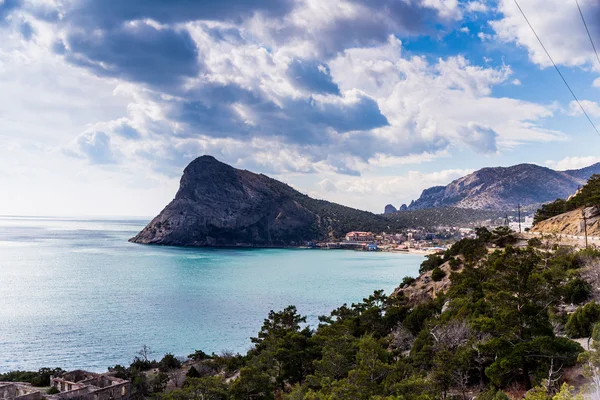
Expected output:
(218, 205)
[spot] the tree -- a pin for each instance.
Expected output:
(192, 373)
(168, 363)
(431, 261)
(519, 298)
(437, 274)
(581, 322)
(252, 384)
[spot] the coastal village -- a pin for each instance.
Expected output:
(418, 240)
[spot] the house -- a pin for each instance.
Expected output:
(19, 391)
(85, 385)
(359, 237)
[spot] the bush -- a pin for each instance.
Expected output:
(437, 274)
(582, 321)
(168, 363)
(193, 373)
(407, 281)
(576, 291)
(454, 264)
(53, 390)
(432, 261)
(199, 355)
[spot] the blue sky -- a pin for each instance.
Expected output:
(104, 102)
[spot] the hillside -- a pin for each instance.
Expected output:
(571, 223)
(218, 205)
(443, 216)
(503, 188)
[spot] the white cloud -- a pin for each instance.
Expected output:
(376, 191)
(465, 29)
(596, 83)
(557, 23)
(591, 108)
(572, 163)
(477, 6)
(484, 36)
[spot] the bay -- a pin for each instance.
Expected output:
(75, 294)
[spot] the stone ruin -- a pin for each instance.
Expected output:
(74, 385)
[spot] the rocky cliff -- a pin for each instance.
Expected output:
(218, 205)
(571, 223)
(503, 188)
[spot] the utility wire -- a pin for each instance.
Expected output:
(557, 70)
(588, 31)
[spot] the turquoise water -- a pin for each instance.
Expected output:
(75, 294)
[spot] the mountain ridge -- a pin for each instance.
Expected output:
(502, 188)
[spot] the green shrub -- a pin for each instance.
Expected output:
(432, 261)
(53, 390)
(437, 274)
(407, 281)
(455, 264)
(576, 291)
(581, 322)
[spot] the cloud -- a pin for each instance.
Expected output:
(137, 52)
(477, 7)
(7, 7)
(559, 26)
(27, 30)
(572, 163)
(111, 13)
(376, 191)
(312, 76)
(480, 138)
(596, 83)
(591, 108)
(95, 147)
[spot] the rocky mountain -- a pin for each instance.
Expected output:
(218, 205)
(503, 188)
(389, 209)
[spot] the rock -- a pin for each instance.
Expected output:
(389, 209)
(403, 207)
(503, 188)
(218, 205)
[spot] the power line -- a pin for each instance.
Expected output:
(557, 70)
(588, 31)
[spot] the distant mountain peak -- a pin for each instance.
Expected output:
(502, 188)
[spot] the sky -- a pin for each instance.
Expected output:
(361, 102)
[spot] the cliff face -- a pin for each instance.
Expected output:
(571, 223)
(218, 205)
(502, 188)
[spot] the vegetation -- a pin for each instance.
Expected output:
(437, 274)
(492, 332)
(582, 321)
(588, 195)
(36, 378)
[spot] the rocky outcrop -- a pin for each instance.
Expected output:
(572, 223)
(403, 207)
(218, 205)
(503, 188)
(389, 209)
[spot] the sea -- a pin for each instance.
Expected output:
(75, 294)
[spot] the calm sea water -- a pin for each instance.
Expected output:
(75, 294)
